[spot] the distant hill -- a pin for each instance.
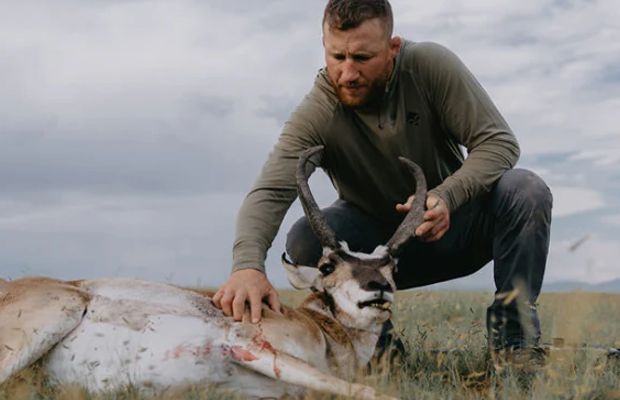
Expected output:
(548, 287)
(574, 286)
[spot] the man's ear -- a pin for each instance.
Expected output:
(395, 44)
(302, 277)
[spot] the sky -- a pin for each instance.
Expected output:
(131, 130)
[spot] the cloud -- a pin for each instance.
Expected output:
(85, 236)
(599, 157)
(131, 130)
(595, 261)
(613, 220)
(573, 200)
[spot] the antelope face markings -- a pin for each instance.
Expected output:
(361, 285)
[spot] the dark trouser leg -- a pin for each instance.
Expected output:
(510, 225)
(520, 247)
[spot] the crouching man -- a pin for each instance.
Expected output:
(380, 97)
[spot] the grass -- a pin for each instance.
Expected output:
(450, 320)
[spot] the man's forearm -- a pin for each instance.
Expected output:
(482, 168)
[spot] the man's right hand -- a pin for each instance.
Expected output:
(246, 285)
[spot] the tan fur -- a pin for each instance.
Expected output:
(312, 323)
(298, 320)
(36, 313)
(327, 325)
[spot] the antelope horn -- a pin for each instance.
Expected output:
(415, 217)
(317, 221)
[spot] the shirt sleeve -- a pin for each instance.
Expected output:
(265, 206)
(467, 113)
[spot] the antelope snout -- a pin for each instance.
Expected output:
(379, 285)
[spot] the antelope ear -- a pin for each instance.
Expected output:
(302, 277)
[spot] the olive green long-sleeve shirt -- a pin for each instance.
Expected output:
(432, 105)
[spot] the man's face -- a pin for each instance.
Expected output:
(359, 62)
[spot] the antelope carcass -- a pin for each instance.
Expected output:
(106, 334)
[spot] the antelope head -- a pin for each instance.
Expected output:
(360, 286)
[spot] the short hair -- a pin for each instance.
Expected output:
(343, 15)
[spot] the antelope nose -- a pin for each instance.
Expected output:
(380, 285)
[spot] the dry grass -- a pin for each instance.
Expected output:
(450, 320)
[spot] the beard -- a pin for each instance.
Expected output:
(362, 95)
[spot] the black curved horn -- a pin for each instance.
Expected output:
(317, 221)
(415, 216)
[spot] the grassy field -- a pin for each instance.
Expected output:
(452, 320)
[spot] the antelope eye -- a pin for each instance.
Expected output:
(327, 269)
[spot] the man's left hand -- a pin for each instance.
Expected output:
(436, 219)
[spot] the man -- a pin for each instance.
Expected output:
(378, 98)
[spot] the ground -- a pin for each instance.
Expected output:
(453, 320)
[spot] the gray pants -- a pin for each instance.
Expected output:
(510, 225)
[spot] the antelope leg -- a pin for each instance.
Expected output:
(35, 314)
(283, 367)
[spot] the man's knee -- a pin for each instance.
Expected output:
(525, 188)
(302, 245)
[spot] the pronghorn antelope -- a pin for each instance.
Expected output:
(105, 334)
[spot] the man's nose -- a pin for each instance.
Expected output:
(350, 72)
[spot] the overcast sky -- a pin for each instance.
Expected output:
(130, 131)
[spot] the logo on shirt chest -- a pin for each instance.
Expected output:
(413, 118)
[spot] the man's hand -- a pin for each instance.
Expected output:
(436, 218)
(246, 285)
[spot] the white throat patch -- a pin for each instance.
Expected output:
(347, 297)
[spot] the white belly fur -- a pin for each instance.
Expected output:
(170, 351)
(161, 340)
